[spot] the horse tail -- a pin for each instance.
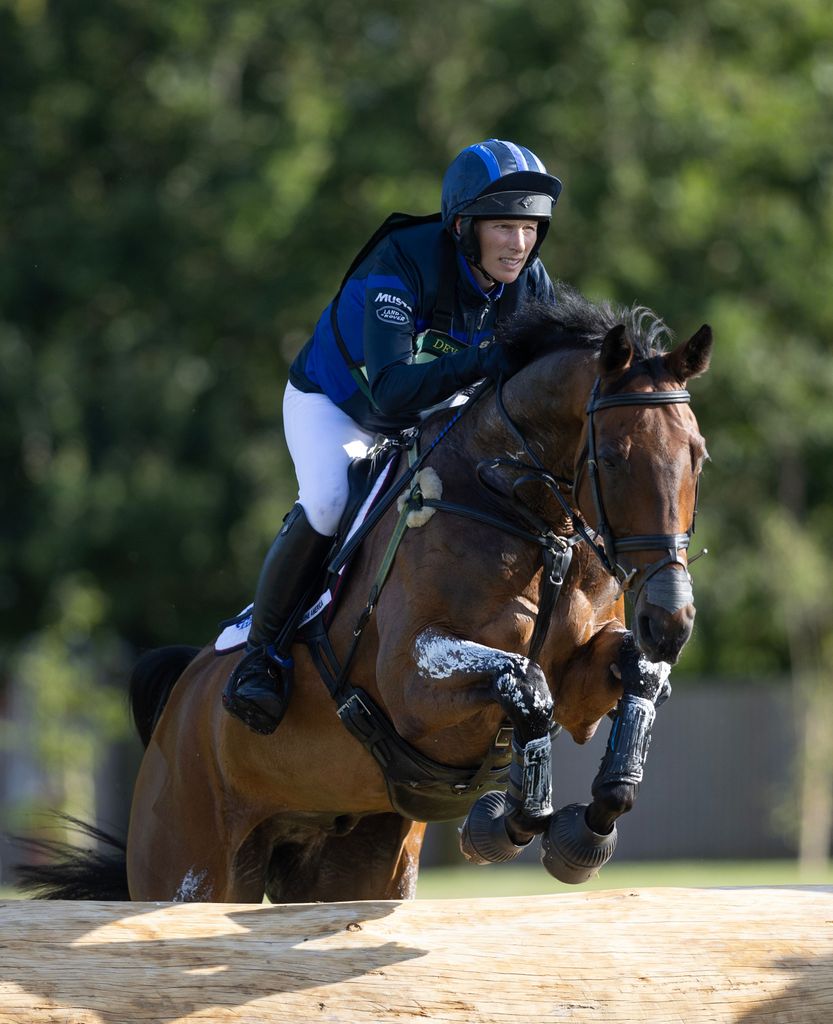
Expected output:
(151, 682)
(72, 873)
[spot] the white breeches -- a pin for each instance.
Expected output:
(321, 440)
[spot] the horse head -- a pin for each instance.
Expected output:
(636, 480)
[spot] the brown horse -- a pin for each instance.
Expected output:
(590, 456)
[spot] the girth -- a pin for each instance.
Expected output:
(418, 788)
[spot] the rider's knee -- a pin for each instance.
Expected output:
(325, 514)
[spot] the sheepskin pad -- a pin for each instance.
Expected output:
(431, 486)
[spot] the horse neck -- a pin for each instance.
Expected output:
(546, 400)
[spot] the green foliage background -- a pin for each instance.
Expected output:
(183, 185)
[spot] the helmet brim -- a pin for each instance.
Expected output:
(525, 181)
(511, 205)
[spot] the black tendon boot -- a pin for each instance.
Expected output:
(258, 691)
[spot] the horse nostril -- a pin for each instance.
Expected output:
(655, 642)
(644, 631)
(663, 637)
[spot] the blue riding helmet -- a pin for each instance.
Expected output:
(497, 180)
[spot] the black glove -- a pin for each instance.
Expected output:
(501, 359)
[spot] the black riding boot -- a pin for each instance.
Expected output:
(259, 688)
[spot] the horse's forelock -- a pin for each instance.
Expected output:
(648, 332)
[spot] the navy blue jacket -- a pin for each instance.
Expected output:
(384, 305)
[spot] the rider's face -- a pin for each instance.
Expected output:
(505, 246)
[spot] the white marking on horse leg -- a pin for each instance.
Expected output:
(190, 886)
(439, 657)
(520, 687)
(407, 884)
(507, 686)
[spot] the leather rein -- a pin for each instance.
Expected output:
(557, 551)
(414, 781)
(608, 552)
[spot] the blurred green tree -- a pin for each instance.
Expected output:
(185, 183)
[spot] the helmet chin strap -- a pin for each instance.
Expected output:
(484, 272)
(472, 262)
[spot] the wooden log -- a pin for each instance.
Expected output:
(649, 955)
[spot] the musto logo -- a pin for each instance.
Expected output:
(392, 315)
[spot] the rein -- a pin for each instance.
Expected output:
(557, 551)
(611, 547)
(419, 787)
(346, 551)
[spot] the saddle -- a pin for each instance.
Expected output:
(367, 480)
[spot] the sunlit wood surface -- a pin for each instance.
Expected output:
(642, 955)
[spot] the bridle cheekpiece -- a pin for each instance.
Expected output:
(631, 582)
(612, 547)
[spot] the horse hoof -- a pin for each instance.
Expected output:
(571, 851)
(483, 837)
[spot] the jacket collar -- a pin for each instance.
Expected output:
(471, 291)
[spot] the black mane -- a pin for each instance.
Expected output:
(576, 322)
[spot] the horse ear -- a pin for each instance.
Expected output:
(617, 351)
(692, 358)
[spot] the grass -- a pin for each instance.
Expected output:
(469, 882)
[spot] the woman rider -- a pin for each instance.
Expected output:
(361, 373)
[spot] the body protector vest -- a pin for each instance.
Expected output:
(408, 277)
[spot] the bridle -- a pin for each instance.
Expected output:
(611, 547)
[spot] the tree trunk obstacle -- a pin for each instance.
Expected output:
(645, 955)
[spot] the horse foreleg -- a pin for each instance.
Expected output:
(616, 785)
(582, 838)
(456, 678)
(460, 677)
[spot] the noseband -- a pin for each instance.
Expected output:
(672, 543)
(673, 596)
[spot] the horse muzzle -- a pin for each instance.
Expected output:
(664, 615)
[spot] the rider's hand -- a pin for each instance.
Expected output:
(501, 359)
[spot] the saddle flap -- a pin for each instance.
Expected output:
(368, 479)
(362, 475)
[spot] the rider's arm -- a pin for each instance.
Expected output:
(409, 388)
(392, 317)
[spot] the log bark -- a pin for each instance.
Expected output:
(651, 955)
